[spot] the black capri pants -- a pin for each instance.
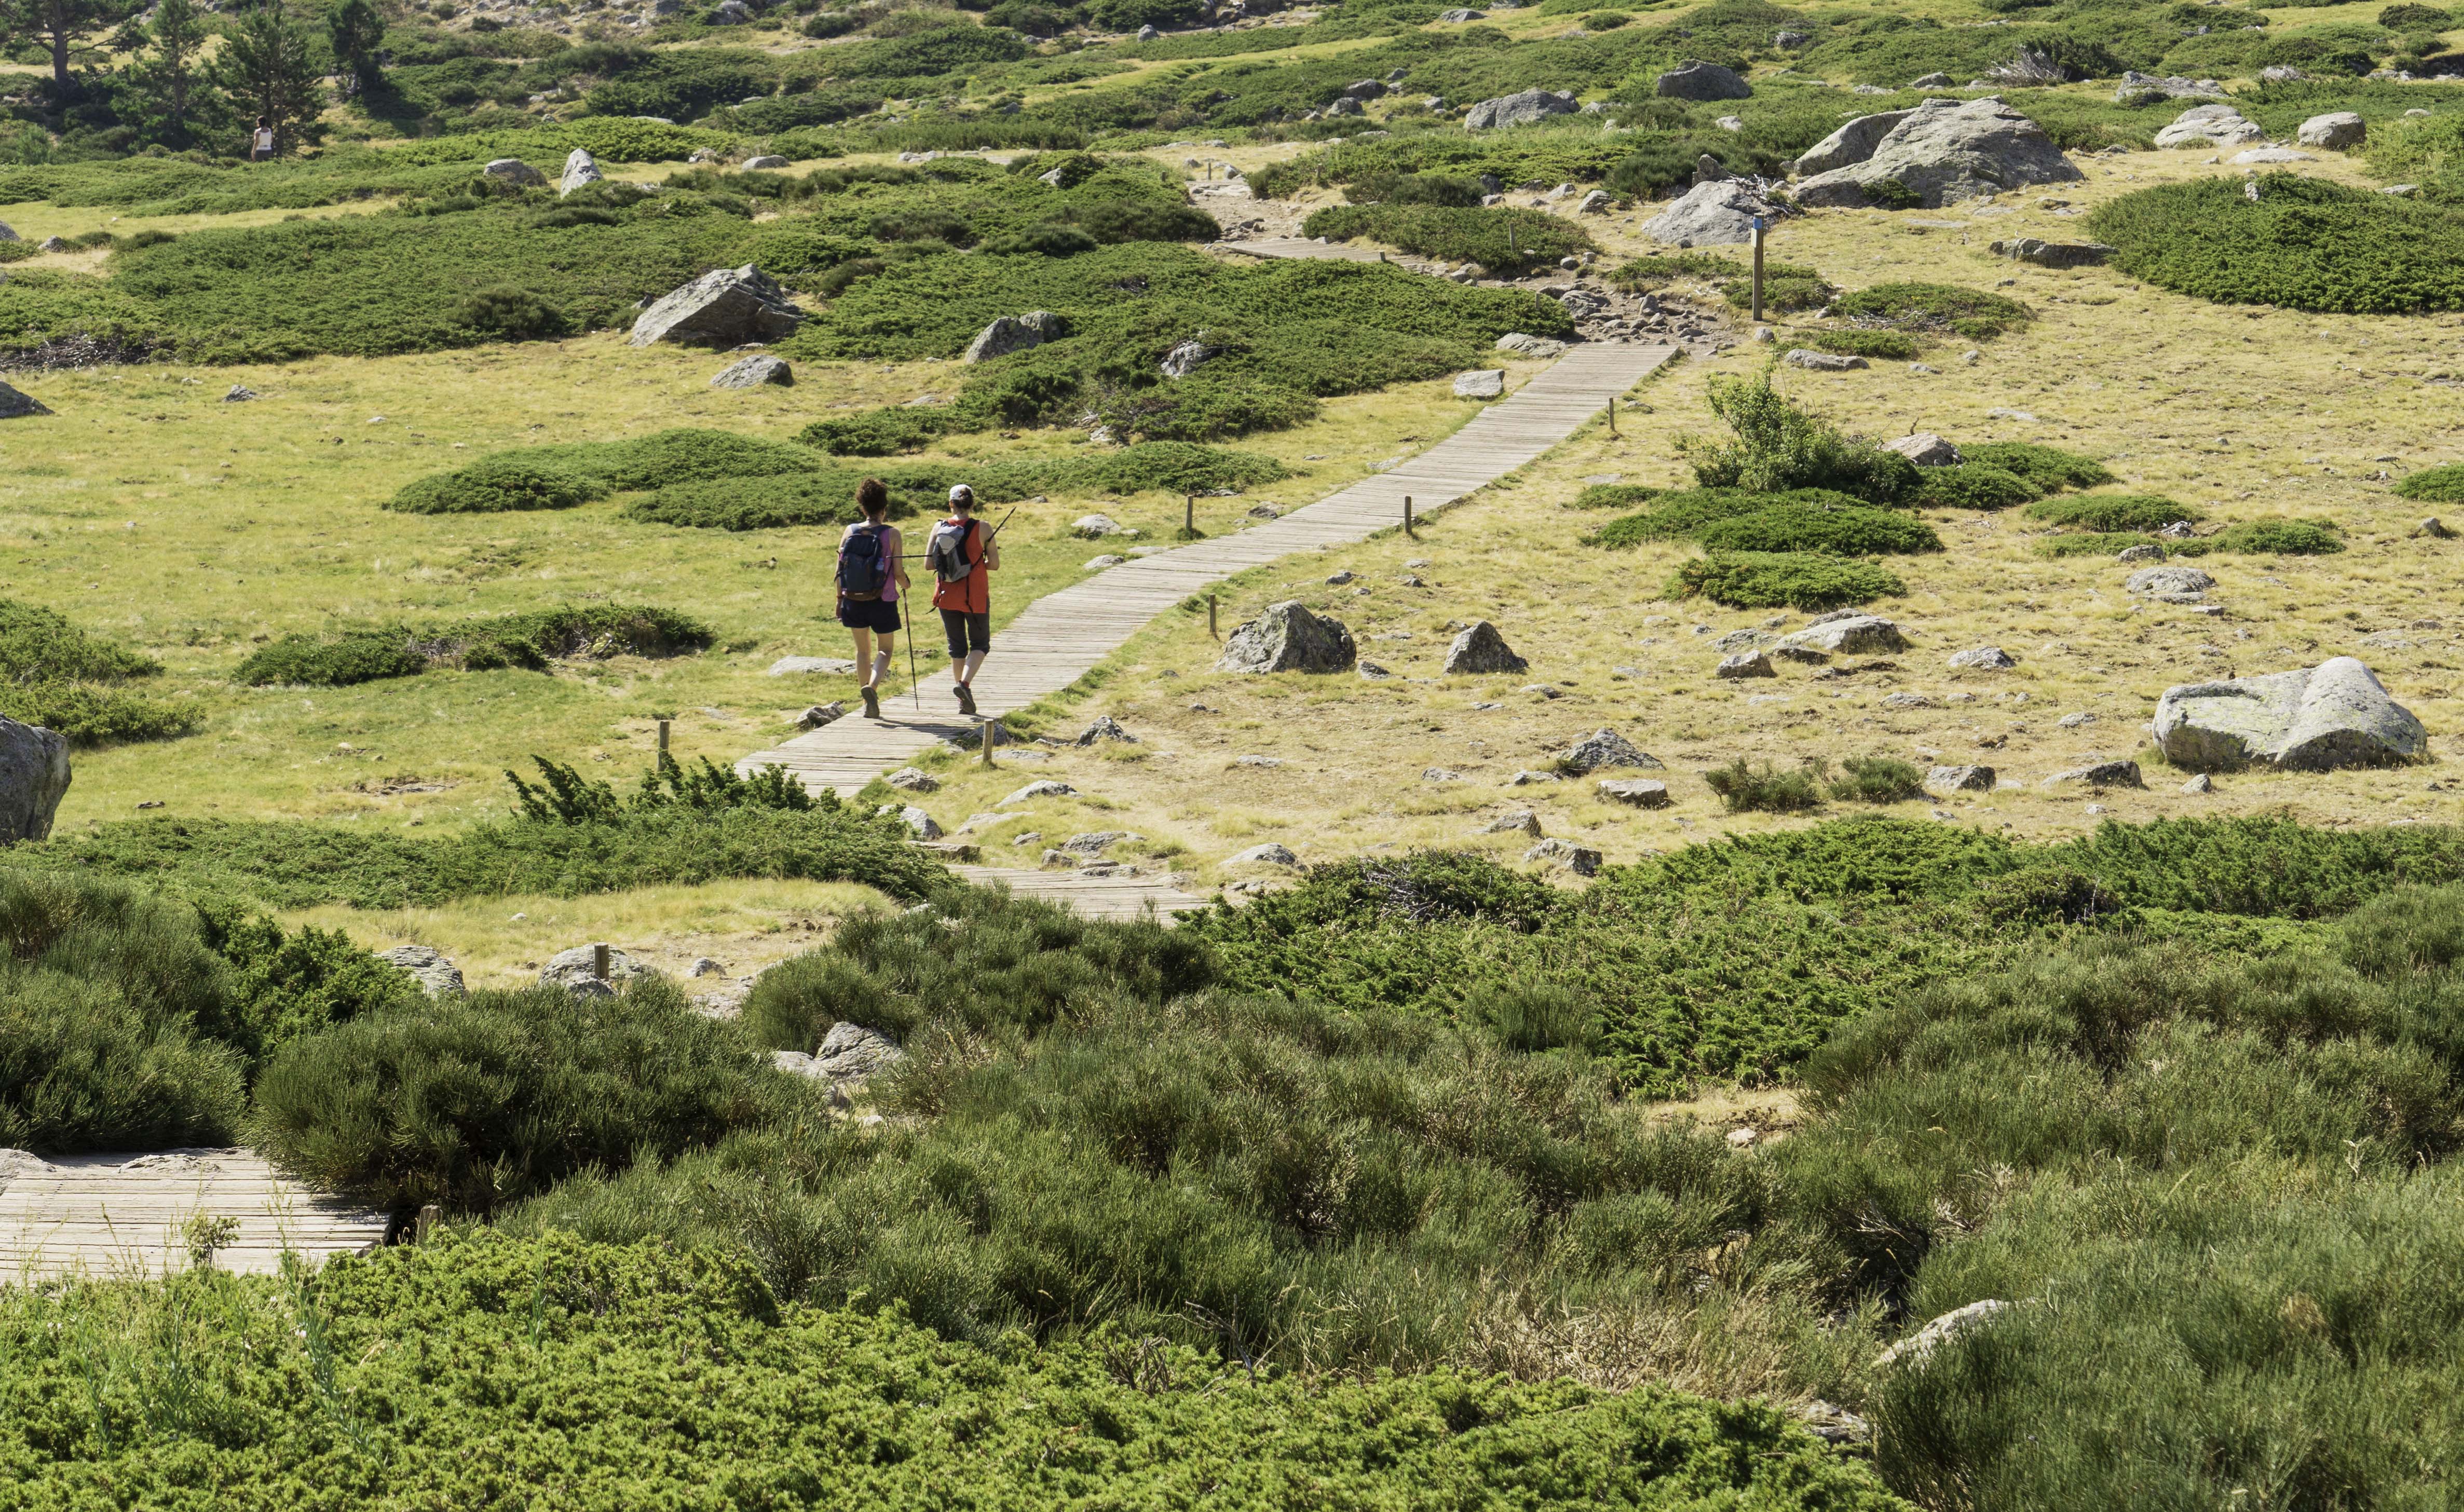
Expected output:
(966, 632)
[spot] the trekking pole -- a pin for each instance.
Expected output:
(915, 680)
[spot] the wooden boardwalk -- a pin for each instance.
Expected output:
(128, 1216)
(1300, 246)
(1061, 636)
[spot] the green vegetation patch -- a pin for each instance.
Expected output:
(1931, 308)
(1851, 530)
(2049, 469)
(494, 485)
(528, 641)
(1972, 485)
(1888, 346)
(1683, 513)
(1506, 242)
(2093, 544)
(64, 679)
(1791, 580)
(2304, 244)
(1775, 447)
(2266, 538)
(2441, 485)
(2115, 512)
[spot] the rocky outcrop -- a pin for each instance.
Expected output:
(1960, 779)
(1849, 635)
(1945, 151)
(1488, 383)
(1269, 854)
(1918, 1346)
(1522, 344)
(2146, 89)
(2337, 130)
(514, 170)
(1924, 449)
(2052, 255)
(1288, 638)
(1822, 362)
(2169, 584)
(436, 974)
(768, 162)
(2312, 719)
(1580, 859)
(1606, 748)
(16, 404)
(1984, 659)
(752, 372)
(1744, 663)
(1519, 110)
(1482, 652)
(1697, 81)
(2096, 775)
(33, 778)
(579, 168)
(2210, 126)
(1715, 214)
(1849, 146)
(1013, 334)
(724, 307)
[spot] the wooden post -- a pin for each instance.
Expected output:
(1189, 514)
(1210, 616)
(1612, 414)
(1758, 268)
(599, 961)
(1407, 517)
(990, 725)
(663, 736)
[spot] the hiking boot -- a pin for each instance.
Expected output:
(872, 702)
(966, 698)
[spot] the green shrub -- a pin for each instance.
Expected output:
(492, 485)
(2112, 513)
(1936, 308)
(1853, 531)
(1763, 788)
(2266, 538)
(81, 1068)
(1972, 485)
(1782, 579)
(1888, 346)
(1414, 189)
(672, 456)
(60, 677)
(765, 504)
(2440, 485)
(2304, 244)
(1685, 514)
(877, 433)
(1615, 495)
(1786, 286)
(516, 315)
(1662, 269)
(525, 641)
(1779, 447)
(2099, 544)
(1047, 240)
(1506, 242)
(2049, 468)
(1875, 780)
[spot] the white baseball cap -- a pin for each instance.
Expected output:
(959, 492)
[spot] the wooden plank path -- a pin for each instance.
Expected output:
(1300, 246)
(127, 1215)
(1061, 636)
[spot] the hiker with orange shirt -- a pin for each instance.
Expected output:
(962, 555)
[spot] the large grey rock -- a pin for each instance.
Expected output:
(1288, 638)
(1695, 79)
(768, 162)
(1580, 859)
(2052, 255)
(1481, 652)
(579, 168)
(1850, 635)
(1918, 1346)
(2211, 126)
(1985, 659)
(514, 170)
(33, 778)
(1606, 748)
(2172, 584)
(850, 1053)
(2146, 89)
(1519, 110)
(1822, 362)
(1522, 344)
(436, 974)
(1269, 854)
(2098, 774)
(16, 404)
(1924, 449)
(1744, 663)
(1849, 146)
(1186, 357)
(1945, 151)
(752, 372)
(8, 232)
(1715, 214)
(574, 970)
(2337, 130)
(1960, 779)
(1637, 792)
(2311, 719)
(1488, 383)
(1013, 333)
(723, 307)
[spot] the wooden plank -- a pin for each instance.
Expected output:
(124, 1215)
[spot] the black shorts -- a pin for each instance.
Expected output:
(880, 616)
(966, 632)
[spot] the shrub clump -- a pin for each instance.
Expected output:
(527, 641)
(1931, 308)
(2266, 538)
(2302, 244)
(493, 485)
(1778, 447)
(1875, 780)
(1782, 579)
(1508, 242)
(1760, 787)
(2049, 469)
(1972, 485)
(61, 678)
(1882, 346)
(2115, 513)
(1684, 514)
(2442, 485)
(1855, 531)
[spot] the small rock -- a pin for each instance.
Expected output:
(704, 966)
(1522, 345)
(2435, 528)
(436, 976)
(1743, 1138)
(1099, 563)
(240, 394)
(766, 163)
(1521, 822)
(1036, 790)
(1269, 854)
(1960, 779)
(1697, 81)
(1288, 638)
(2171, 584)
(1104, 728)
(1486, 384)
(1606, 748)
(1094, 842)
(820, 715)
(2098, 775)
(1526, 778)
(1640, 792)
(753, 372)
(1481, 652)
(1849, 633)
(1580, 859)
(1440, 773)
(804, 666)
(2202, 783)
(575, 971)
(2145, 550)
(1543, 691)
(1920, 1346)
(1744, 663)
(1984, 658)
(1091, 527)
(1924, 449)
(909, 779)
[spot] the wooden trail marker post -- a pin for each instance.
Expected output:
(1759, 224)
(1612, 414)
(1210, 616)
(599, 961)
(663, 736)
(1189, 515)
(1407, 517)
(990, 727)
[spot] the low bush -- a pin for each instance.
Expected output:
(1854, 531)
(1168, 467)
(2095, 544)
(493, 485)
(64, 679)
(2302, 244)
(2265, 538)
(1782, 579)
(877, 433)
(2049, 468)
(1777, 446)
(524, 641)
(1047, 240)
(1886, 346)
(2114, 513)
(1972, 485)
(1786, 286)
(1659, 270)
(1875, 780)
(1760, 787)
(81, 1068)
(1685, 514)
(1506, 242)
(2441, 485)
(1615, 495)
(1936, 308)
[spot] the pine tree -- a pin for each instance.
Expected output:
(64, 29)
(264, 71)
(169, 74)
(357, 31)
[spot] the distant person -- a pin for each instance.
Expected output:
(260, 143)
(962, 555)
(871, 574)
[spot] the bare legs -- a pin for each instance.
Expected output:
(872, 664)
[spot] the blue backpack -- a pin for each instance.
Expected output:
(863, 569)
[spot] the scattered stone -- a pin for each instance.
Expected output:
(1595, 203)
(1186, 357)
(704, 966)
(514, 170)
(918, 823)
(850, 1054)
(576, 971)
(2098, 775)
(2075, 721)
(1947, 151)
(2052, 254)
(2169, 584)
(1849, 146)
(2146, 89)
(2281, 73)
(1519, 110)
(1288, 638)
(1906, 701)
(1926, 450)
(1960, 779)
(1823, 361)
(1606, 748)
(1850, 634)
(1984, 658)
(2144, 551)
(1542, 690)
(1338, 579)
(724, 307)
(1105, 728)
(1095, 527)
(2272, 155)
(1918, 1346)
(1742, 641)
(1527, 778)
(2337, 130)
(2323, 718)
(1256, 761)
(1374, 672)
(1094, 842)
(1269, 854)
(1802, 656)
(1036, 790)
(15, 404)
(33, 778)
(1485, 384)
(908, 780)
(56, 244)
(2435, 528)
(765, 162)
(436, 974)
(1580, 859)
(820, 715)
(1013, 333)
(1521, 822)
(2202, 783)
(579, 168)
(1638, 792)
(752, 372)
(799, 665)
(1522, 345)
(1480, 651)
(2210, 126)
(1744, 663)
(1697, 80)
(1460, 16)
(1719, 213)
(1441, 774)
